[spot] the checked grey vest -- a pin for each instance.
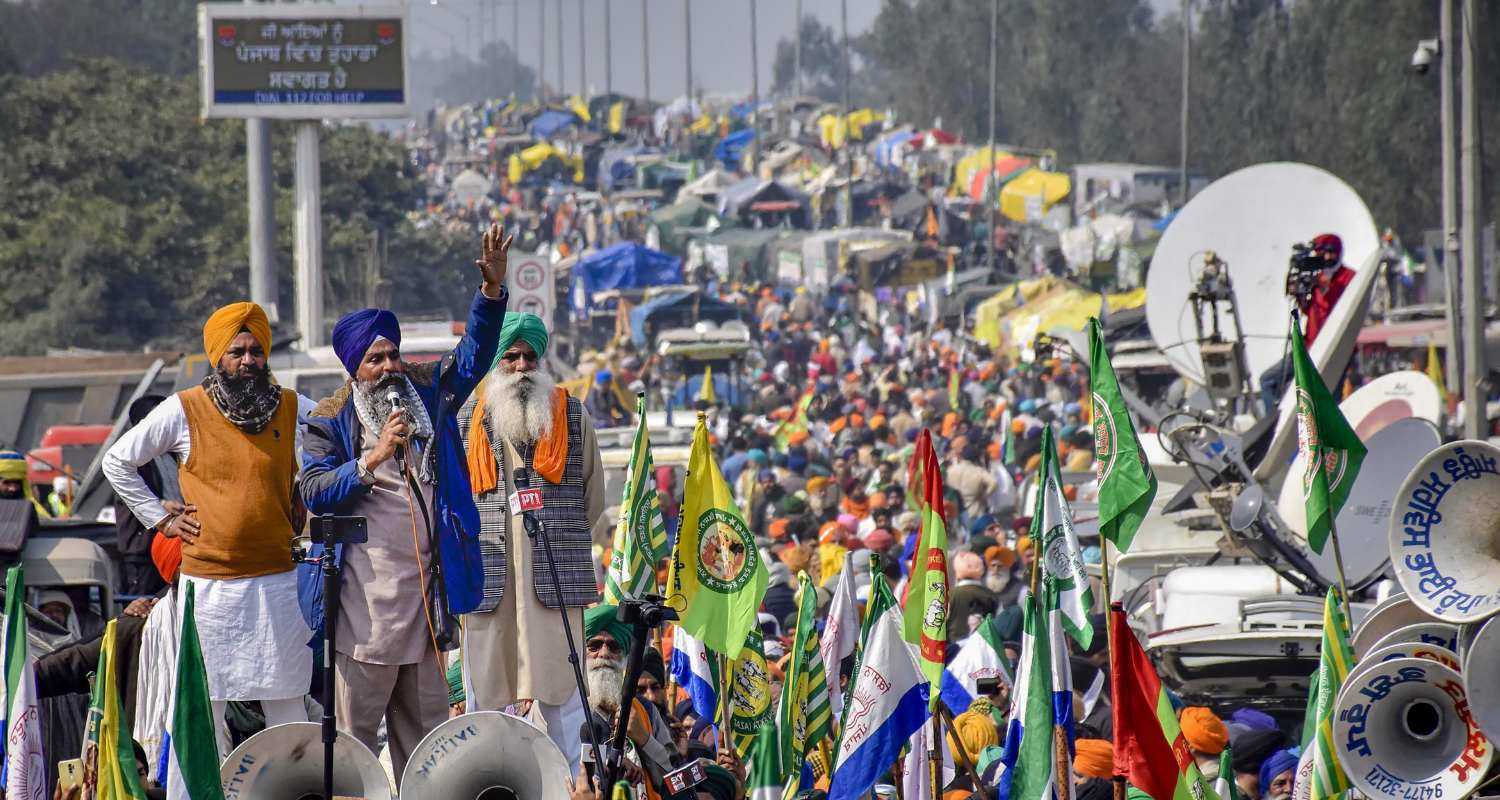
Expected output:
(563, 518)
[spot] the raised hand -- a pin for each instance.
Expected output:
(494, 260)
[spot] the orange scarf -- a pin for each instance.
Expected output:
(551, 452)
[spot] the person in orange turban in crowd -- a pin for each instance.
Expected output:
(796, 558)
(1093, 768)
(1206, 736)
(777, 529)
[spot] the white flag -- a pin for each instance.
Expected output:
(840, 633)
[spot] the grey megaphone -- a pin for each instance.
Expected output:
(1403, 728)
(286, 762)
(486, 755)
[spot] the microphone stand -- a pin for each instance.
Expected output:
(331, 531)
(535, 531)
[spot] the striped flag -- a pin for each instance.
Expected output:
(925, 605)
(696, 670)
(193, 748)
(1064, 581)
(1331, 451)
(1225, 787)
(888, 703)
(1029, 766)
(982, 656)
(750, 705)
(109, 770)
(840, 633)
(25, 764)
(804, 711)
(1150, 750)
(641, 533)
(1333, 667)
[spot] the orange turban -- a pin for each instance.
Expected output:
(877, 501)
(816, 483)
(166, 553)
(796, 559)
(1023, 544)
(796, 437)
(830, 533)
(993, 451)
(1095, 758)
(1000, 553)
(877, 422)
(1204, 731)
(973, 730)
(778, 528)
(227, 322)
(1018, 426)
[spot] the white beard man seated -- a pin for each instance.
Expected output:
(520, 429)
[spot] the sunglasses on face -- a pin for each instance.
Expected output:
(596, 645)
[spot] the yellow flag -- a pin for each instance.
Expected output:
(617, 117)
(706, 391)
(717, 577)
(109, 759)
(577, 106)
(1435, 370)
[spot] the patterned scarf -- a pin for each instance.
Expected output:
(250, 405)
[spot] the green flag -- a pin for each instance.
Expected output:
(1126, 484)
(804, 711)
(1030, 766)
(765, 766)
(1333, 667)
(717, 578)
(1225, 787)
(925, 606)
(1331, 452)
(193, 771)
(641, 533)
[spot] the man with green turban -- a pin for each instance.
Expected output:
(521, 430)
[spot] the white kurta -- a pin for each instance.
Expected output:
(252, 632)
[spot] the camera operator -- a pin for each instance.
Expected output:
(1316, 282)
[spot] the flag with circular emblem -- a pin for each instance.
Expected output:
(1127, 486)
(1331, 451)
(750, 706)
(717, 578)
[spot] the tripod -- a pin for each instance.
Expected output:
(332, 532)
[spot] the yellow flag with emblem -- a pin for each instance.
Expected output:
(717, 577)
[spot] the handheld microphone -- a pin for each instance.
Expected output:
(394, 398)
(524, 500)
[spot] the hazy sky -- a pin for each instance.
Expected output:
(721, 41)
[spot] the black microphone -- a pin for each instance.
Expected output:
(394, 398)
(523, 481)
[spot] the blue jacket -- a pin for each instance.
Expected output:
(330, 481)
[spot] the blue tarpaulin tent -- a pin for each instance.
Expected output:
(729, 149)
(628, 265)
(550, 122)
(677, 310)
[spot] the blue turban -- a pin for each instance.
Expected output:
(356, 331)
(1279, 762)
(1254, 719)
(1028, 406)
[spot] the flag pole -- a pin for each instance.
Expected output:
(1338, 560)
(1117, 782)
(961, 754)
(935, 757)
(726, 712)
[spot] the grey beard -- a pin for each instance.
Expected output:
(997, 583)
(604, 684)
(377, 393)
(519, 405)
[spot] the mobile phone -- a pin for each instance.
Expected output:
(987, 686)
(70, 773)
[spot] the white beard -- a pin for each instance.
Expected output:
(519, 405)
(604, 679)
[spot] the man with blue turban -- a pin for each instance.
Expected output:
(522, 430)
(386, 447)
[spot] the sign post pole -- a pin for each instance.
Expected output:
(308, 254)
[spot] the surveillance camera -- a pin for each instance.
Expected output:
(1428, 51)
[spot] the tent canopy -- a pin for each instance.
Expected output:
(549, 122)
(628, 265)
(1010, 320)
(736, 201)
(1033, 190)
(730, 149)
(677, 310)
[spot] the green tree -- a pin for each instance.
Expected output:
(822, 63)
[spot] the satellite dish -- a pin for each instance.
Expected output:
(1393, 396)
(1364, 520)
(1250, 218)
(1397, 611)
(1386, 652)
(1246, 508)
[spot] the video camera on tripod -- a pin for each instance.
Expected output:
(1307, 263)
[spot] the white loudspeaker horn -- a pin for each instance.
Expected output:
(1444, 547)
(286, 762)
(1404, 730)
(1481, 669)
(1396, 611)
(1437, 634)
(1397, 650)
(486, 755)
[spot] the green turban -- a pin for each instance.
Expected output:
(603, 618)
(527, 328)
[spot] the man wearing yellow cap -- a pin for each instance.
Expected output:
(235, 438)
(14, 483)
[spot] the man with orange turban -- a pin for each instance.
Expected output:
(235, 438)
(1206, 736)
